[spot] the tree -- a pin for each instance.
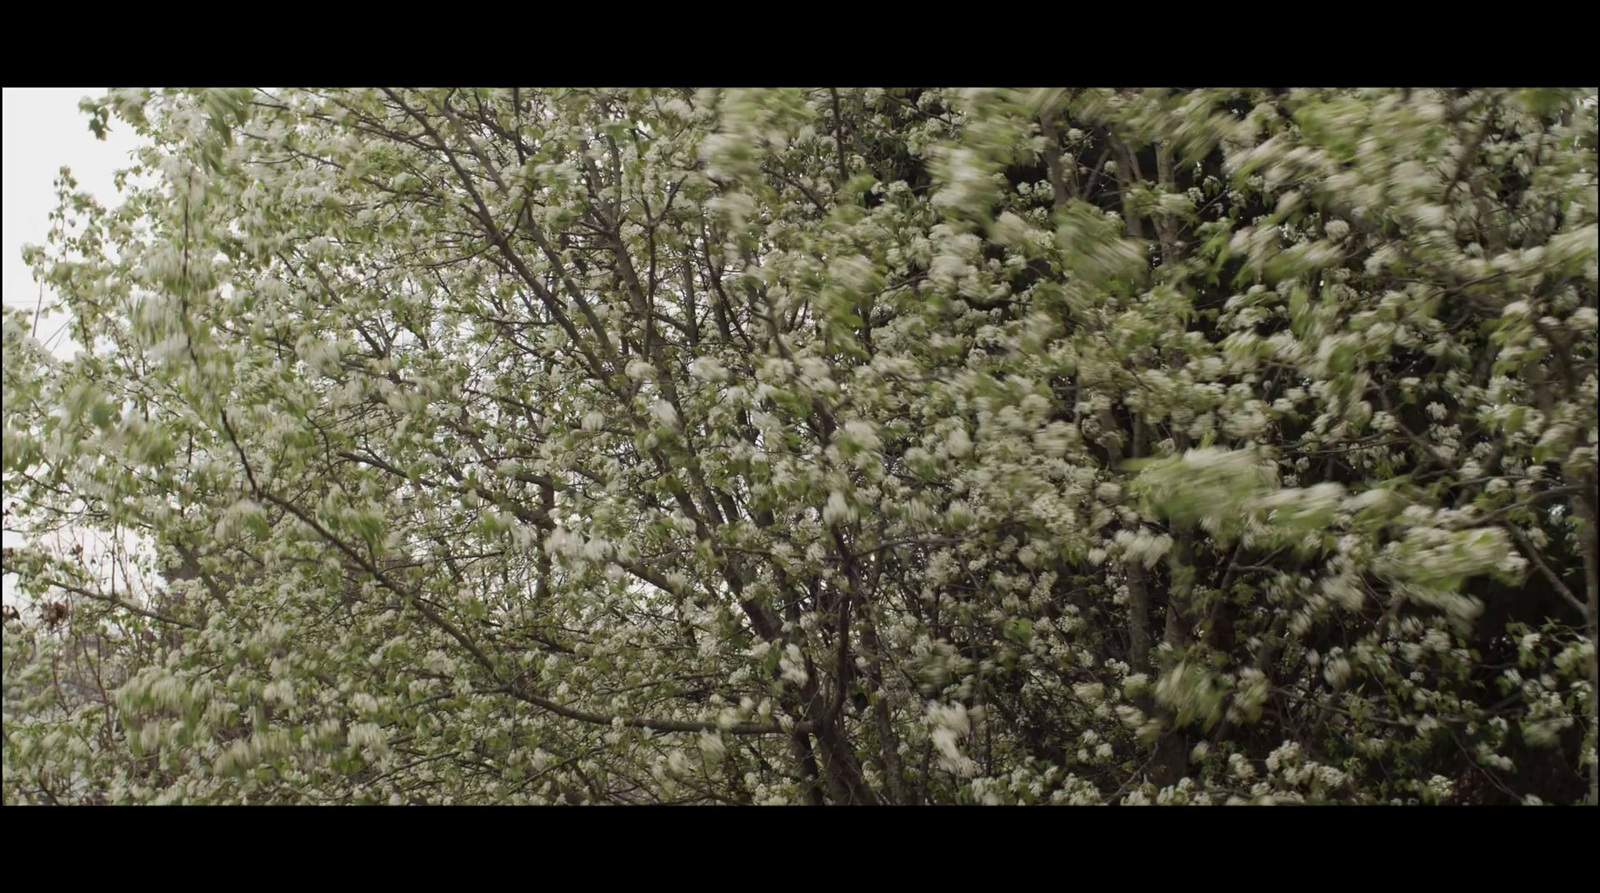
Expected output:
(817, 446)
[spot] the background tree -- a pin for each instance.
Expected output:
(823, 446)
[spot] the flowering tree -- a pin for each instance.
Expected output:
(815, 446)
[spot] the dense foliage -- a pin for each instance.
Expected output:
(814, 446)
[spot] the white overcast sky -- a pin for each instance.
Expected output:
(44, 131)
